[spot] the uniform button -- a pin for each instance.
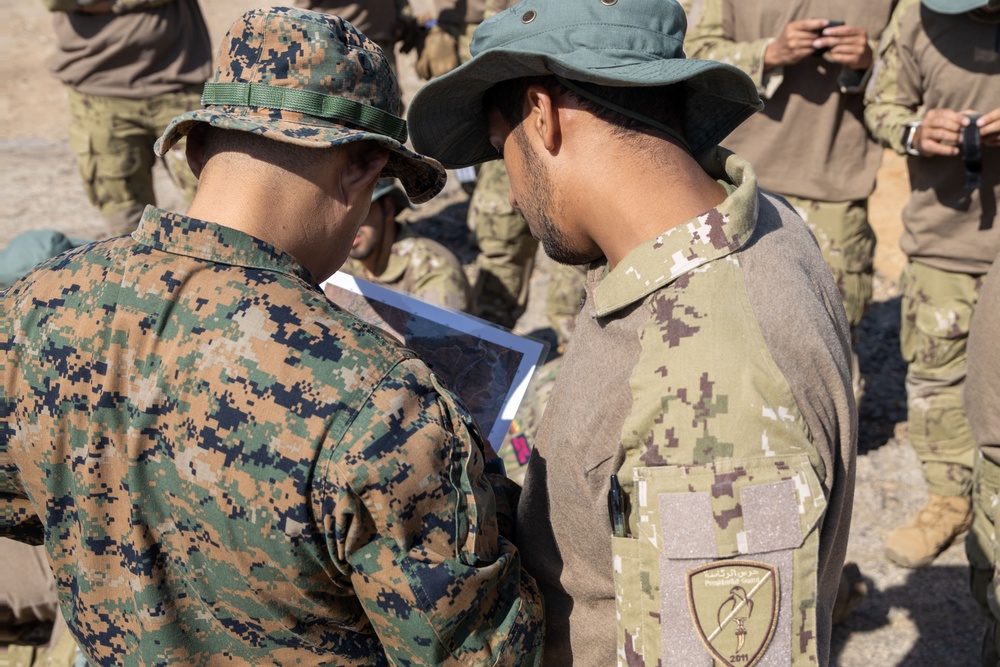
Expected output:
(530, 15)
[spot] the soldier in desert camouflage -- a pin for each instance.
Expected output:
(697, 451)
(226, 467)
(938, 70)
(389, 253)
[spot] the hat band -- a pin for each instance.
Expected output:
(306, 101)
(582, 92)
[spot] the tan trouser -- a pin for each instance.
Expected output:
(937, 308)
(113, 139)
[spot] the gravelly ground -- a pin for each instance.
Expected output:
(909, 618)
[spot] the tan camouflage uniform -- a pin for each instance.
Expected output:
(982, 396)
(128, 74)
(949, 237)
(421, 267)
(227, 472)
(809, 144)
(727, 414)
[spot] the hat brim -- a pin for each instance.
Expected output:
(422, 177)
(953, 6)
(447, 120)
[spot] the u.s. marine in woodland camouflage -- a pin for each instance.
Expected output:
(224, 466)
(709, 371)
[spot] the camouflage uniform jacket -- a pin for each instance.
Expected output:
(810, 140)
(228, 468)
(929, 61)
(421, 267)
(709, 370)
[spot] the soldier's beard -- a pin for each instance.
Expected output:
(536, 206)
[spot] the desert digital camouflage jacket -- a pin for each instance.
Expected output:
(709, 370)
(226, 468)
(421, 267)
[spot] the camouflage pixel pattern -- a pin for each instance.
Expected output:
(937, 309)
(719, 455)
(421, 267)
(847, 242)
(112, 139)
(228, 468)
(319, 53)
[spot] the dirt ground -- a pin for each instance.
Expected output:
(909, 618)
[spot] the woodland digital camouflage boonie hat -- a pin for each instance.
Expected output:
(605, 42)
(959, 6)
(309, 79)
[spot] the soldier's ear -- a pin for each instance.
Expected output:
(361, 169)
(195, 150)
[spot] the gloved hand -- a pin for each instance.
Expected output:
(438, 56)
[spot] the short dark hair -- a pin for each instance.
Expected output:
(664, 104)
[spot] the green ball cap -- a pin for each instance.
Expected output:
(958, 6)
(313, 80)
(605, 42)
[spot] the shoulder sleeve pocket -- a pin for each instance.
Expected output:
(729, 549)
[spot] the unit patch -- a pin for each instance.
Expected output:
(734, 606)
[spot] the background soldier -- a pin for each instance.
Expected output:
(391, 254)
(940, 57)
(225, 466)
(130, 66)
(810, 144)
(709, 369)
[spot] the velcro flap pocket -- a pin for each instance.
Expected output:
(729, 508)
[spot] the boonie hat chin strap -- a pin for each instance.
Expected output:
(626, 112)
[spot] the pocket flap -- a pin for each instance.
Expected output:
(729, 508)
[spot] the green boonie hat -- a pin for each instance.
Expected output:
(313, 80)
(387, 186)
(605, 42)
(958, 6)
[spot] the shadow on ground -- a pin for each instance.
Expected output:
(884, 373)
(936, 599)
